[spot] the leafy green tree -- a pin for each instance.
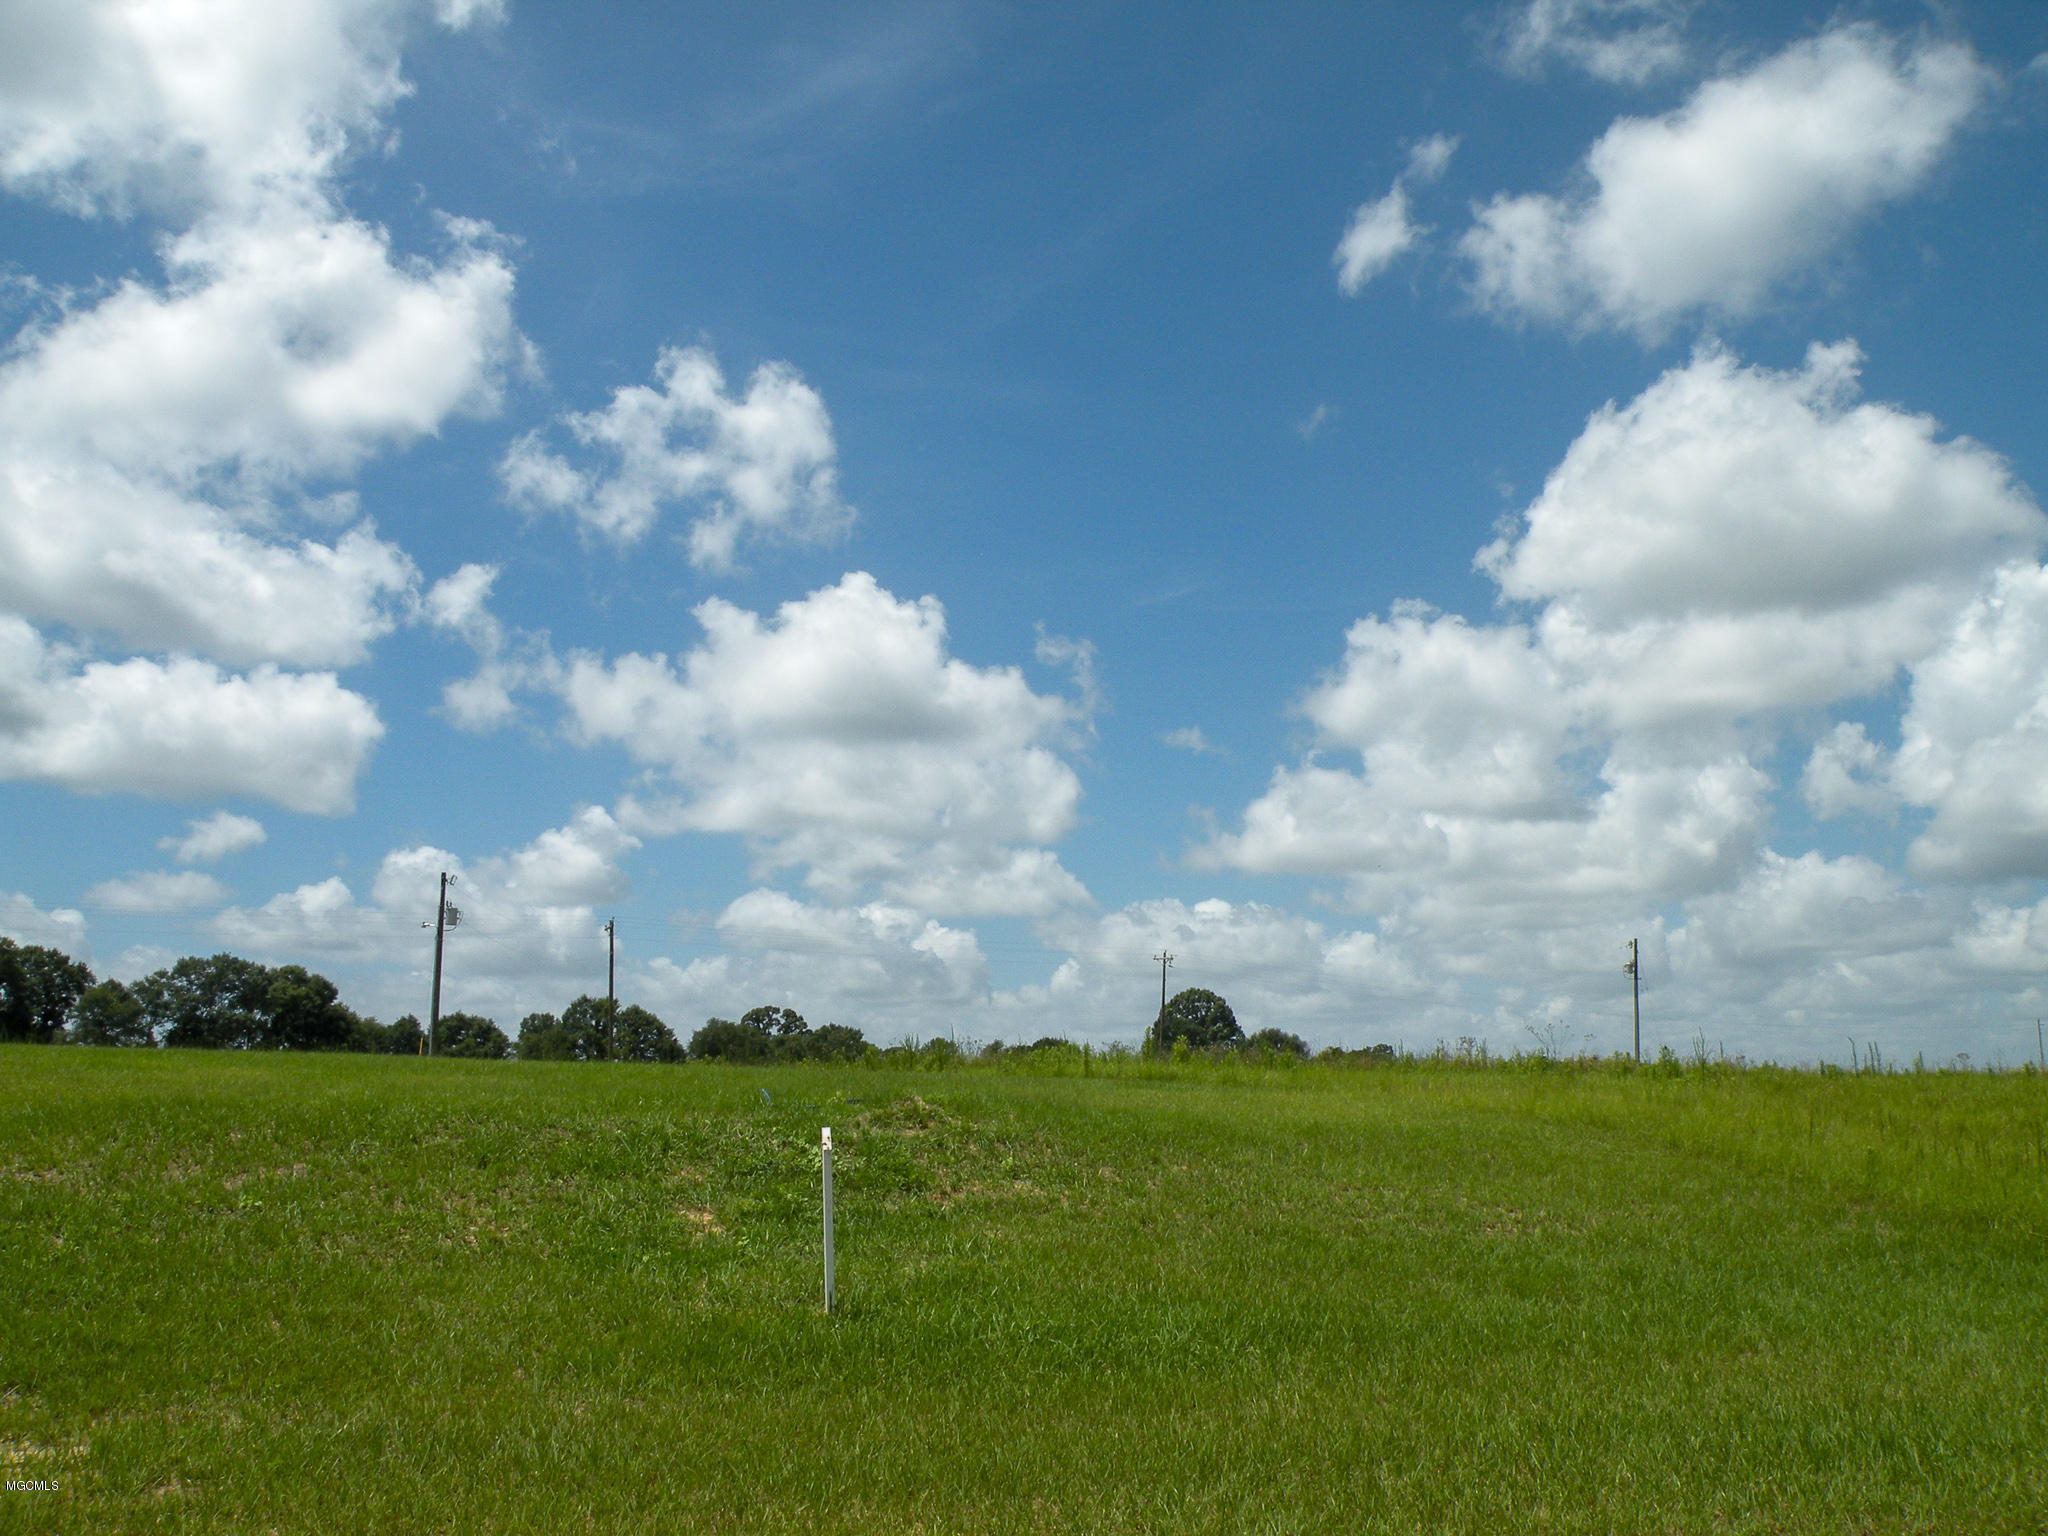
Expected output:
(1278, 1042)
(401, 1037)
(588, 1022)
(723, 1040)
(639, 1036)
(212, 1004)
(303, 1011)
(542, 1038)
(406, 1036)
(779, 1022)
(1197, 1018)
(472, 1035)
(39, 987)
(17, 995)
(109, 1014)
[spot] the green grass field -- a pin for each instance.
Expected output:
(348, 1294)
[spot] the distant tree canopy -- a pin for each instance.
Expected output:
(775, 1034)
(770, 1020)
(723, 1040)
(224, 1002)
(209, 1004)
(109, 1014)
(469, 1034)
(403, 1036)
(639, 1036)
(303, 1011)
(1200, 1018)
(832, 1042)
(594, 1029)
(39, 988)
(542, 1038)
(221, 1002)
(227, 1003)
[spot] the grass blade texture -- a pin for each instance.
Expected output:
(306, 1293)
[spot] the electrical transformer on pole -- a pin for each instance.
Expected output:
(1634, 971)
(446, 916)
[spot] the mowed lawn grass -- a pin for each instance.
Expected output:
(307, 1293)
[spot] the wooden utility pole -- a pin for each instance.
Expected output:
(1634, 972)
(611, 989)
(1159, 1029)
(445, 917)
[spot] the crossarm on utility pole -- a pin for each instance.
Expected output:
(1165, 959)
(1634, 971)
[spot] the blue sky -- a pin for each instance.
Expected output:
(911, 510)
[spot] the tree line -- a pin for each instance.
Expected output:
(224, 1002)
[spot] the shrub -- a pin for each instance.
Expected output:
(828, 1042)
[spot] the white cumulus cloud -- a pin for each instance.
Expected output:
(158, 890)
(1381, 231)
(26, 923)
(1189, 738)
(212, 838)
(1625, 42)
(1736, 559)
(1738, 540)
(162, 438)
(1845, 775)
(1378, 232)
(204, 101)
(1973, 734)
(180, 728)
(530, 934)
(887, 969)
(507, 660)
(757, 466)
(841, 737)
(1713, 207)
